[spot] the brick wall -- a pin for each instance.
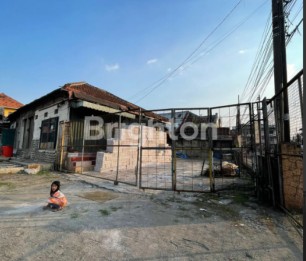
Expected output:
(35, 154)
(292, 176)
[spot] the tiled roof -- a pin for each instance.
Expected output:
(85, 91)
(8, 102)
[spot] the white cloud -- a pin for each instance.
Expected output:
(243, 51)
(112, 67)
(152, 61)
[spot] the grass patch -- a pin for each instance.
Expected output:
(9, 185)
(186, 216)
(74, 215)
(104, 212)
(115, 208)
(240, 198)
(182, 208)
(44, 173)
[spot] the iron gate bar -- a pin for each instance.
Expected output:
(173, 162)
(99, 177)
(267, 149)
(230, 105)
(301, 98)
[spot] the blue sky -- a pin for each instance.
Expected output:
(124, 46)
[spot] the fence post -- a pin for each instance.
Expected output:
(267, 149)
(83, 144)
(173, 163)
(301, 97)
(139, 156)
(63, 129)
(118, 154)
(210, 155)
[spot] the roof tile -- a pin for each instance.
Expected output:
(8, 102)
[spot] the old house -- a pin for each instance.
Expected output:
(7, 106)
(52, 129)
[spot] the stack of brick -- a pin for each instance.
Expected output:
(78, 163)
(123, 149)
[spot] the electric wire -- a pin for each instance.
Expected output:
(164, 78)
(189, 59)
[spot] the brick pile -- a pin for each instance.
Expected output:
(123, 149)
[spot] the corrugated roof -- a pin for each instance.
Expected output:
(8, 102)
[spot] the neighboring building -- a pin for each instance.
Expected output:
(182, 117)
(51, 128)
(247, 136)
(7, 106)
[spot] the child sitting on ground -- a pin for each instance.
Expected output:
(57, 199)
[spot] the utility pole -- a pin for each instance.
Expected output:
(280, 71)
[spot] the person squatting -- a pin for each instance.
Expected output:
(57, 199)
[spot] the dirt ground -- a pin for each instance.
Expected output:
(108, 222)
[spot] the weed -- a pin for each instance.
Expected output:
(240, 198)
(115, 208)
(104, 212)
(182, 208)
(74, 215)
(44, 173)
(10, 185)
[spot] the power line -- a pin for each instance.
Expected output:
(167, 76)
(297, 13)
(216, 43)
(190, 57)
(262, 57)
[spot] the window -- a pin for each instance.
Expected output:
(48, 134)
(56, 111)
(46, 114)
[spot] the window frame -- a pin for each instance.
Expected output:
(48, 139)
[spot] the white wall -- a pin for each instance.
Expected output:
(63, 114)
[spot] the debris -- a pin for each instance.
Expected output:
(181, 155)
(197, 243)
(225, 201)
(229, 169)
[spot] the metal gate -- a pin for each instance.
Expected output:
(182, 149)
(207, 150)
(175, 151)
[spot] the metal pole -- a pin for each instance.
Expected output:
(139, 156)
(119, 138)
(83, 144)
(210, 155)
(301, 97)
(62, 146)
(267, 150)
(173, 165)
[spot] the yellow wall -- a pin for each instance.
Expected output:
(8, 111)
